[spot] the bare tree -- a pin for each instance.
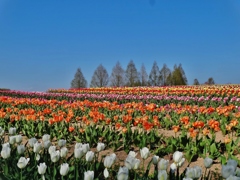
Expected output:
(154, 76)
(132, 78)
(164, 74)
(100, 77)
(143, 76)
(117, 76)
(79, 81)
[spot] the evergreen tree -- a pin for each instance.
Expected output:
(154, 76)
(178, 76)
(79, 81)
(164, 74)
(132, 76)
(210, 81)
(195, 82)
(117, 76)
(143, 76)
(100, 77)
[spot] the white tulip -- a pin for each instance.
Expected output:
(78, 145)
(55, 156)
(232, 162)
(129, 162)
(173, 168)
(51, 149)
(20, 149)
(1, 131)
(12, 139)
(177, 157)
(89, 156)
(100, 147)
(6, 145)
(37, 147)
(42, 168)
(45, 137)
(62, 142)
(22, 162)
(47, 144)
(155, 159)
(132, 153)
(162, 175)
(227, 171)
(12, 130)
(5, 153)
(208, 162)
(194, 172)
(136, 163)
(122, 173)
(18, 139)
(231, 177)
(78, 153)
(144, 152)
(37, 157)
(32, 141)
(63, 152)
(109, 160)
(64, 169)
(163, 164)
(89, 175)
(85, 148)
(106, 173)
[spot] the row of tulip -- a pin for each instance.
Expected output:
(45, 159)
(160, 99)
(220, 90)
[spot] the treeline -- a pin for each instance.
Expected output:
(132, 77)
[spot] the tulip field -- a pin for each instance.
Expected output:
(78, 133)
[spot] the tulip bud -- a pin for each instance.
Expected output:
(106, 173)
(109, 160)
(64, 169)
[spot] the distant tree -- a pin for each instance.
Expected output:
(195, 82)
(117, 76)
(132, 75)
(100, 77)
(79, 81)
(143, 76)
(178, 76)
(154, 76)
(164, 74)
(210, 81)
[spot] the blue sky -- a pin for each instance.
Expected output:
(43, 42)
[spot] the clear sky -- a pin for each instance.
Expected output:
(43, 42)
